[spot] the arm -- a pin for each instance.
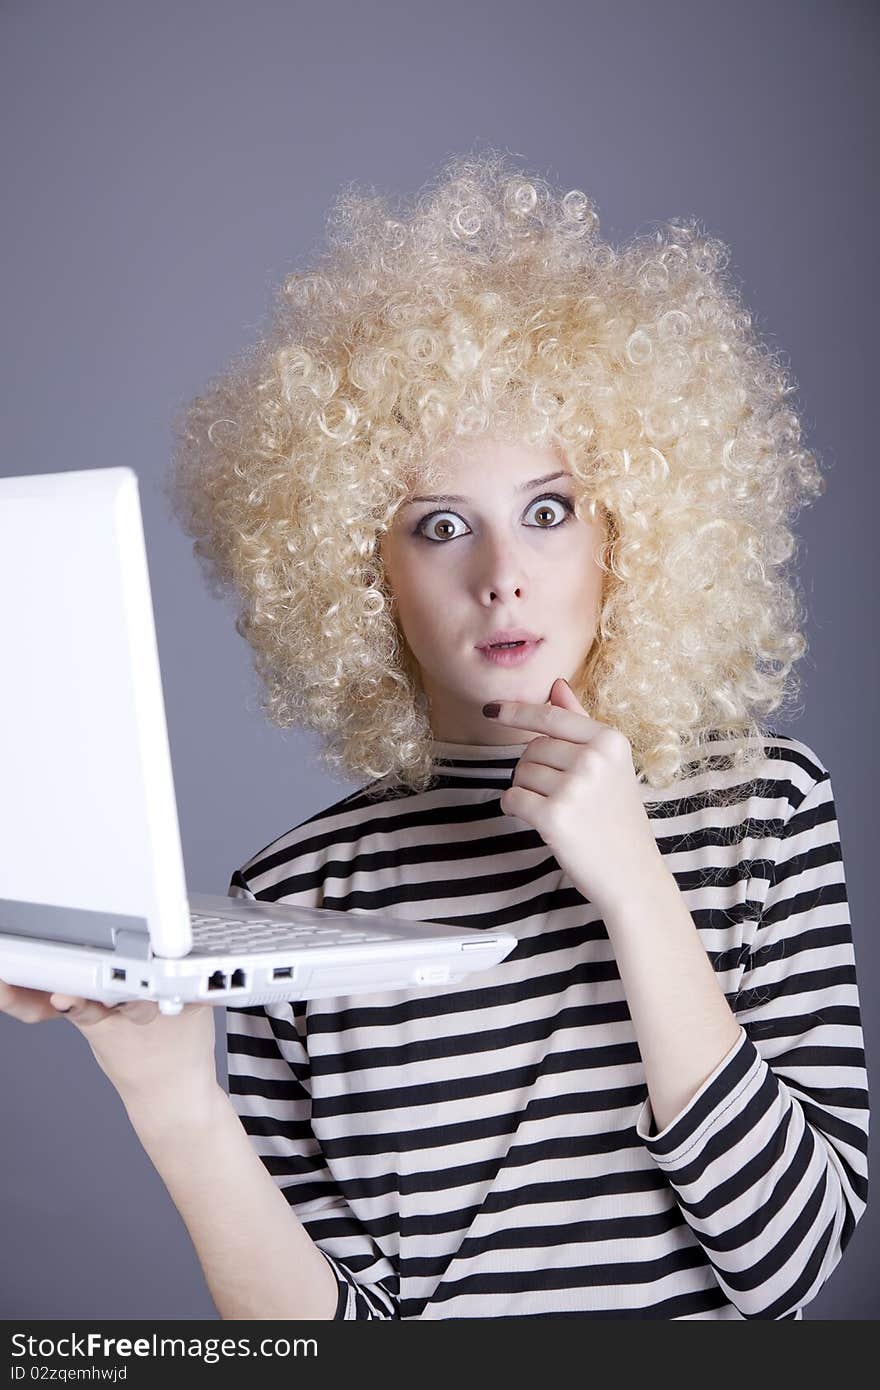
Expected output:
(257, 1259)
(683, 1023)
(764, 1141)
(270, 1090)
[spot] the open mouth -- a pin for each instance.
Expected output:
(510, 653)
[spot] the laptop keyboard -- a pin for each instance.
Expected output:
(254, 933)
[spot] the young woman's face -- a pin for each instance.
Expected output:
(498, 550)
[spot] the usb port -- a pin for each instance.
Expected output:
(283, 972)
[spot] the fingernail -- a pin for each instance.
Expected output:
(62, 1008)
(491, 711)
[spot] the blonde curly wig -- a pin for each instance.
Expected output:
(491, 306)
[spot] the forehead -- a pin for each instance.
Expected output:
(494, 461)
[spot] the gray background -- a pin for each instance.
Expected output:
(163, 164)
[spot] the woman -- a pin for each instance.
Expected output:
(475, 422)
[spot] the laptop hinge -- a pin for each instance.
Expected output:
(133, 943)
(76, 926)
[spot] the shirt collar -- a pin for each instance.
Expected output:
(475, 760)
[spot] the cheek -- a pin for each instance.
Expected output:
(407, 587)
(394, 567)
(417, 608)
(583, 579)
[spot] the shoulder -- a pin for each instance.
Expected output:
(293, 866)
(792, 767)
(758, 798)
(786, 793)
(794, 757)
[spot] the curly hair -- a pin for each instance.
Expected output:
(491, 307)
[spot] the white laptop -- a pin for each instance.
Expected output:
(93, 900)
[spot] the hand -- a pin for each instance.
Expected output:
(149, 1057)
(577, 786)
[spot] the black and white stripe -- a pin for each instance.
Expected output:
(486, 1149)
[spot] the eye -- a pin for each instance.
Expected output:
(564, 503)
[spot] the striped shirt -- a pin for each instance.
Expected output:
(487, 1148)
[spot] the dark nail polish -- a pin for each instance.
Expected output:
(491, 711)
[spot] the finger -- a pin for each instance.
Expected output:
(78, 1010)
(544, 719)
(549, 752)
(138, 1010)
(536, 777)
(25, 1005)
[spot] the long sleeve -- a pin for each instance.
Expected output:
(768, 1161)
(269, 1086)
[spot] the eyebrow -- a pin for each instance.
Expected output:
(523, 487)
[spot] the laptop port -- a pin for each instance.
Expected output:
(217, 980)
(283, 972)
(118, 974)
(238, 980)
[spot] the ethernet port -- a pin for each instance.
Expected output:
(217, 980)
(239, 979)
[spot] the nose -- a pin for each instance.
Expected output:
(501, 571)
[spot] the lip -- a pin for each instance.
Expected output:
(509, 634)
(510, 656)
